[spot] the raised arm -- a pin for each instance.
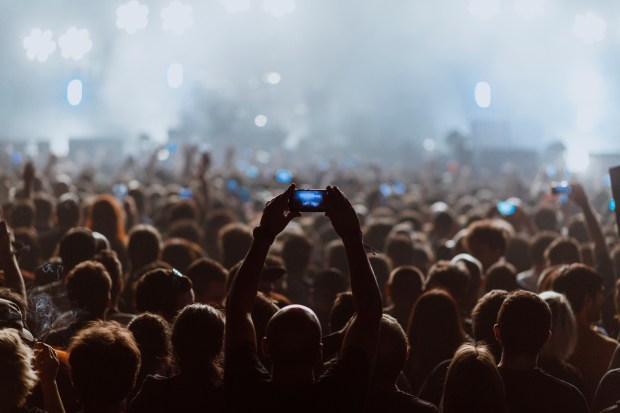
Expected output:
(239, 326)
(12, 275)
(364, 329)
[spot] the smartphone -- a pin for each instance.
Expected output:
(562, 190)
(308, 200)
(185, 193)
(506, 208)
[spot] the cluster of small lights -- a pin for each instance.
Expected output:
(132, 16)
(589, 28)
(39, 45)
(177, 17)
(74, 43)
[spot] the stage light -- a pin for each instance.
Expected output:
(272, 78)
(74, 92)
(589, 28)
(429, 145)
(482, 93)
(236, 6)
(132, 16)
(260, 120)
(39, 45)
(174, 75)
(529, 9)
(484, 9)
(74, 43)
(279, 8)
(177, 17)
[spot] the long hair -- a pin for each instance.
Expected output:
(564, 326)
(473, 383)
(106, 217)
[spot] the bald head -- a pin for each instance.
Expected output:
(293, 336)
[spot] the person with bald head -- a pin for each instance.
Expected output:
(292, 339)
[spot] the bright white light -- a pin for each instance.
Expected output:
(260, 120)
(577, 158)
(174, 75)
(236, 6)
(272, 78)
(177, 17)
(263, 157)
(132, 16)
(74, 43)
(74, 92)
(484, 9)
(429, 145)
(279, 8)
(530, 9)
(39, 45)
(482, 93)
(589, 28)
(163, 154)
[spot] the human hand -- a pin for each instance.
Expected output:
(276, 215)
(341, 214)
(578, 195)
(28, 174)
(6, 240)
(46, 362)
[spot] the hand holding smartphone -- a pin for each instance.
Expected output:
(308, 200)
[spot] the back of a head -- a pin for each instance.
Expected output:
(400, 249)
(484, 317)
(486, 241)
(336, 256)
(406, 285)
(106, 217)
(576, 282)
(89, 287)
(342, 311)
(545, 218)
(453, 278)
(539, 243)
(435, 326)
(76, 246)
(501, 276)
(293, 337)
(392, 351)
(382, 267)
(564, 327)
(204, 273)
(473, 383)
(152, 335)
(17, 376)
(113, 266)
(104, 361)
(234, 242)
(518, 253)
(578, 229)
(562, 250)
(159, 290)
(68, 211)
(22, 214)
(296, 253)
(197, 338)
(524, 321)
(144, 246)
(180, 253)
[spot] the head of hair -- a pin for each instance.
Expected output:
(106, 217)
(473, 382)
(484, 317)
(181, 210)
(400, 249)
(104, 361)
(486, 241)
(453, 278)
(214, 223)
(576, 282)
(110, 261)
(435, 330)
(501, 276)
(564, 327)
(327, 284)
(377, 231)
(524, 322)
(518, 253)
(68, 211)
(197, 338)
(342, 311)
(144, 246)
(158, 292)
(152, 335)
(204, 272)
(578, 229)
(187, 230)
(562, 250)
(293, 337)
(382, 267)
(545, 218)
(22, 214)
(406, 284)
(443, 222)
(392, 351)
(538, 245)
(336, 256)
(77, 245)
(296, 252)
(44, 208)
(180, 253)
(88, 287)
(32, 258)
(17, 376)
(234, 241)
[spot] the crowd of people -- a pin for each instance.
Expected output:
(202, 291)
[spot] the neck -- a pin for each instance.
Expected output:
(520, 362)
(292, 375)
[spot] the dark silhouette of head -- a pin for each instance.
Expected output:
(342, 311)
(180, 253)
(581, 285)
(484, 317)
(486, 241)
(501, 276)
(152, 335)
(296, 253)
(399, 249)
(68, 211)
(77, 245)
(106, 216)
(405, 286)
(88, 288)
(392, 352)
(164, 292)
(453, 278)
(209, 281)
(538, 244)
(144, 246)
(234, 242)
(562, 250)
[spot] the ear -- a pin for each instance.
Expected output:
(265, 343)
(497, 333)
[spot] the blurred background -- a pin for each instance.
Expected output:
(487, 82)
